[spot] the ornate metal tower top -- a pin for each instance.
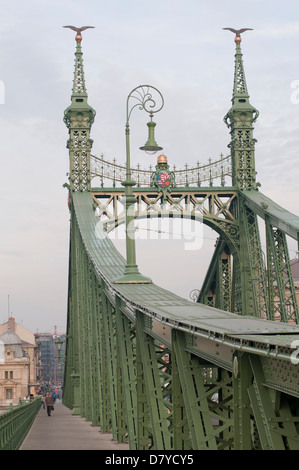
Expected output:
(79, 117)
(79, 93)
(240, 119)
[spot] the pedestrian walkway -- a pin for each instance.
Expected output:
(63, 431)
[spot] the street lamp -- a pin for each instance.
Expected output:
(58, 343)
(144, 100)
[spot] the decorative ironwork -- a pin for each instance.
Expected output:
(205, 175)
(145, 100)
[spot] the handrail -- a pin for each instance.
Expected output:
(16, 422)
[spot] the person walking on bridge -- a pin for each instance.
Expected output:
(49, 404)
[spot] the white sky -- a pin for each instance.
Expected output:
(178, 47)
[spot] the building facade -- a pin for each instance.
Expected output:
(19, 363)
(52, 362)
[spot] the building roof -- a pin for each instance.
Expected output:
(9, 337)
(13, 341)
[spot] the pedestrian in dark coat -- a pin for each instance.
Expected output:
(49, 404)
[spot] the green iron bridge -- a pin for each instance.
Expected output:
(156, 370)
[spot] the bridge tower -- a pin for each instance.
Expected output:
(251, 298)
(236, 277)
(79, 117)
(240, 119)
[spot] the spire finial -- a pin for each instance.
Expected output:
(238, 32)
(78, 31)
(240, 87)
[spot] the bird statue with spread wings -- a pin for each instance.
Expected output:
(238, 32)
(78, 31)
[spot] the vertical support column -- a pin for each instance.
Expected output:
(145, 439)
(224, 282)
(81, 330)
(75, 313)
(195, 399)
(181, 431)
(217, 287)
(262, 406)
(95, 355)
(152, 378)
(283, 300)
(252, 266)
(125, 343)
(104, 395)
(242, 379)
(86, 329)
(111, 351)
(76, 406)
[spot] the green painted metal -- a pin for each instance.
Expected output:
(158, 412)
(126, 350)
(143, 95)
(16, 423)
(157, 370)
(79, 117)
(239, 120)
(282, 295)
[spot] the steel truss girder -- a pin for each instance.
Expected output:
(211, 206)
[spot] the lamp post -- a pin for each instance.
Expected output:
(58, 344)
(144, 100)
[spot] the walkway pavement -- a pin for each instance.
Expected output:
(63, 431)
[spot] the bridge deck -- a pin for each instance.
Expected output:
(63, 431)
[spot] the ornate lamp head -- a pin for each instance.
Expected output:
(151, 146)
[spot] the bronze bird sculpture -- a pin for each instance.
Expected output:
(78, 31)
(238, 32)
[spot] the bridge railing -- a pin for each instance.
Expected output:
(16, 423)
(211, 174)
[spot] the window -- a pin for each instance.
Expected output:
(10, 374)
(8, 393)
